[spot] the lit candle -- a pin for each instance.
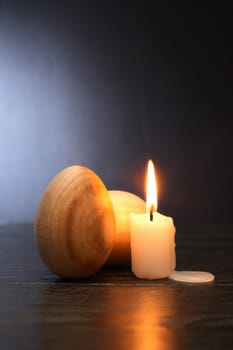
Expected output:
(152, 237)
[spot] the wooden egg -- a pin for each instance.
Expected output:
(123, 204)
(75, 223)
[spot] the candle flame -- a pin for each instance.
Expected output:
(151, 189)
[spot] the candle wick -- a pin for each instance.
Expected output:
(152, 209)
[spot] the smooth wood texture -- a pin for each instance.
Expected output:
(124, 203)
(75, 223)
(114, 310)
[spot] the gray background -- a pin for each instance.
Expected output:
(108, 85)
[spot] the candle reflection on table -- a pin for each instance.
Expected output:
(150, 331)
(144, 322)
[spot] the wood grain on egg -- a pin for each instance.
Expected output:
(75, 223)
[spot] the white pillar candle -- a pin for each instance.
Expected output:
(152, 238)
(152, 246)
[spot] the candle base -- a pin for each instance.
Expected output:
(149, 276)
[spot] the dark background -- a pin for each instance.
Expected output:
(108, 84)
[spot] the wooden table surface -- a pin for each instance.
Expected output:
(113, 309)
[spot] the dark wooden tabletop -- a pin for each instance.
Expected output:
(113, 309)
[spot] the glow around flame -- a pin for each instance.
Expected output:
(151, 189)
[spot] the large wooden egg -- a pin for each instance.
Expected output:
(124, 203)
(75, 223)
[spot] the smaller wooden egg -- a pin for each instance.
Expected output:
(124, 203)
(75, 223)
